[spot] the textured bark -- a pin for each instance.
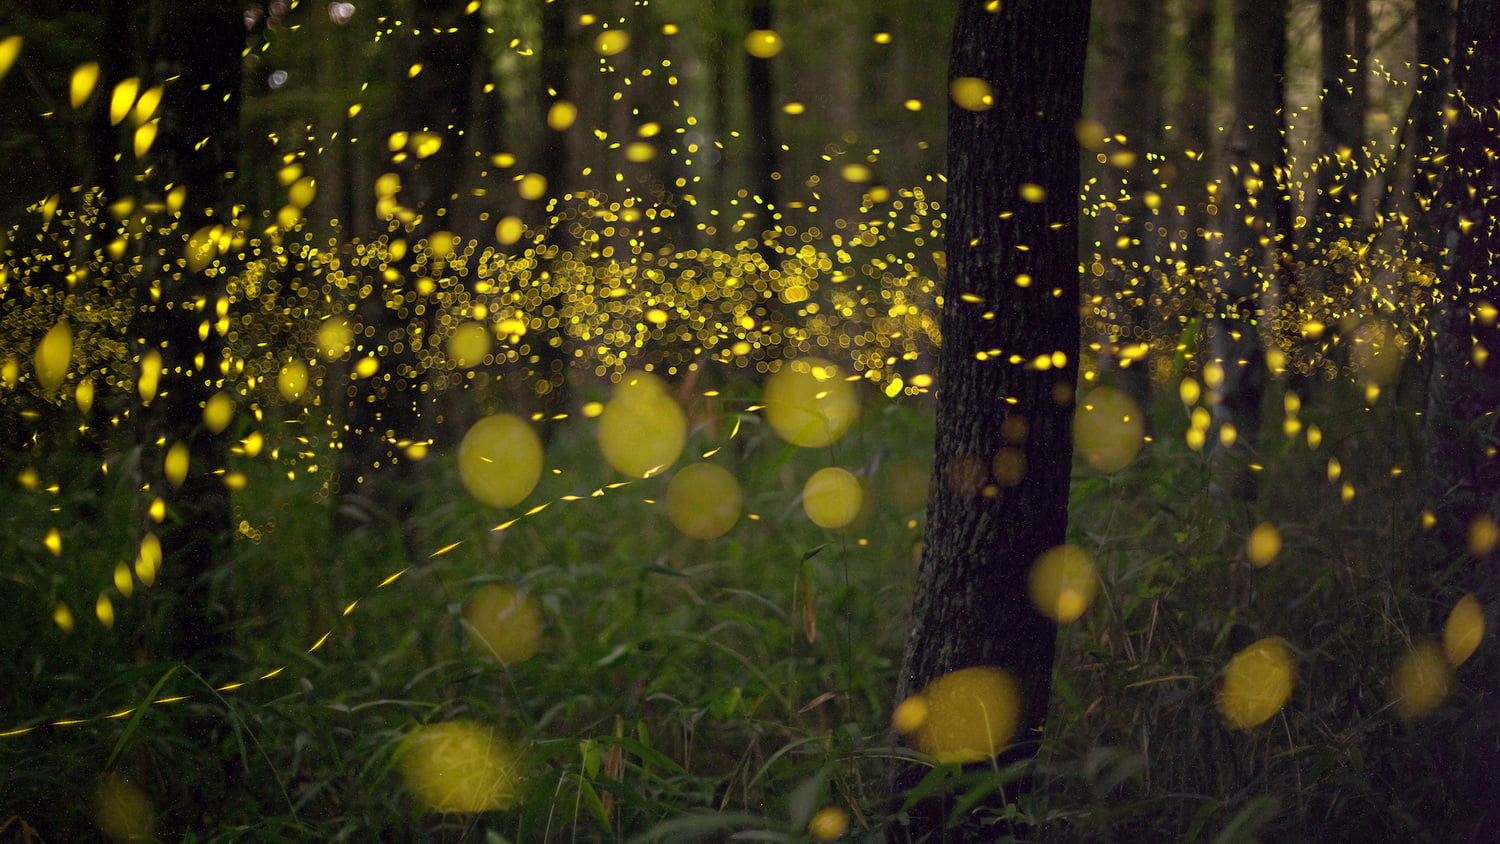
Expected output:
(1128, 103)
(195, 49)
(1463, 397)
(1256, 218)
(1344, 26)
(971, 606)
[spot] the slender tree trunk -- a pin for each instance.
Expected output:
(1129, 104)
(1196, 120)
(195, 48)
(1256, 219)
(1464, 446)
(764, 150)
(1340, 174)
(971, 606)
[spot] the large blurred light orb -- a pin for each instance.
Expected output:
(1257, 683)
(808, 403)
(971, 715)
(704, 500)
(500, 460)
(642, 429)
(504, 623)
(1063, 583)
(460, 767)
(831, 498)
(1108, 429)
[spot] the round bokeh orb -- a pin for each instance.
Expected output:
(642, 429)
(500, 460)
(832, 497)
(970, 715)
(1108, 429)
(1257, 683)
(504, 623)
(458, 766)
(704, 500)
(808, 403)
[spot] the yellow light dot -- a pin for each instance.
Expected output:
(366, 367)
(54, 355)
(291, 382)
(104, 610)
(62, 617)
(592, 409)
(829, 823)
(121, 99)
(1463, 630)
(1484, 535)
(468, 345)
(335, 338)
(639, 152)
(1257, 683)
(1108, 429)
(504, 623)
(913, 105)
(460, 767)
(1421, 679)
(763, 43)
(857, 173)
(831, 498)
(1032, 192)
(500, 460)
(703, 500)
(123, 581)
(611, 42)
(561, 115)
(85, 77)
(175, 466)
(53, 542)
(971, 93)
(794, 109)
(642, 430)
(1063, 583)
(971, 715)
(807, 403)
(218, 412)
(910, 715)
(10, 48)
(532, 186)
(1263, 545)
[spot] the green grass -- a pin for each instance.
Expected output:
(677, 695)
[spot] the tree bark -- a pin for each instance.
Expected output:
(1128, 103)
(1257, 219)
(971, 606)
(195, 48)
(1342, 112)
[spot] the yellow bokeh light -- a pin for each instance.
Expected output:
(504, 623)
(642, 429)
(460, 767)
(291, 382)
(1257, 683)
(1108, 429)
(829, 823)
(509, 230)
(218, 412)
(831, 498)
(704, 500)
(468, 345)
(560, 115)
(532, 186)
(54, 355)
(500, 460)
(611, 42)
(763, 43)
(335, 338)
(971, 93)
(808, 403)
(1063, 583)
(85, 77)
(1484, 535)
(1421, 679)
(1263, 545)
(1464, 630)
(971, 715)
(910, 715)
(62, 617)
(175, 466)
(123, 810)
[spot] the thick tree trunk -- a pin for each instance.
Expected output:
(195, 48)
(764, 151)
(1342, 111)
(1012, 213)
(1255, 217)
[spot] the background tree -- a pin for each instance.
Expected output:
(1013, 183)
(195, 49)
(1254, 215)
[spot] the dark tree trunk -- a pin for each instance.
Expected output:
(1196, 120)
(1344, 25)
(551, 375)
(1434, 52)
(971, 606)
(764, 154)
(195, 49)
(388, 408)
(1128, 103)
(1256, 221)
(1463, 395)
